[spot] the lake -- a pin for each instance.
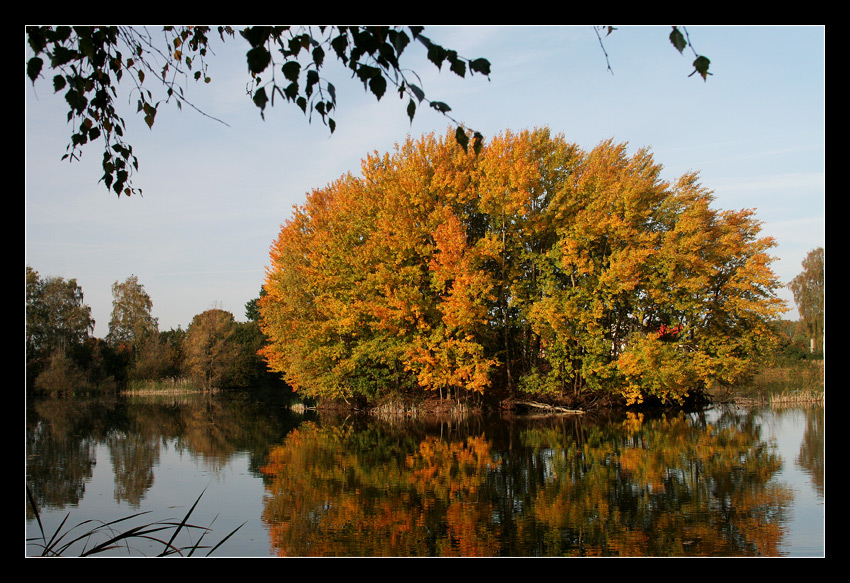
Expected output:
(723, 482)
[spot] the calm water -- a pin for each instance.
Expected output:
(723, 482)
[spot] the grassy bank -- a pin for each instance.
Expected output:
(786, 382)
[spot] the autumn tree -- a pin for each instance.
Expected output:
(219, 352)
(809, 295)
(533, 265)
(208, 348)
(154, 358)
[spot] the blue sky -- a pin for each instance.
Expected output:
(216, 195)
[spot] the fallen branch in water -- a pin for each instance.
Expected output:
(536, 405)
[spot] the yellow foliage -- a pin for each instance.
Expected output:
(533, 260)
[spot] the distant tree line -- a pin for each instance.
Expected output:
(62, 356)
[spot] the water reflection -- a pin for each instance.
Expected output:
(811, 456)
(668, 486)
(62, 437)
(636, 485)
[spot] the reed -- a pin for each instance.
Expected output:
(106, 536)
(171, 385)
(791, 381)
(797, 398)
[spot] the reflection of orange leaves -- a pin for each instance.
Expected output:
(470, 531)
(327, 496)
(450, 467)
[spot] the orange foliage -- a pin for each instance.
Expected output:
(442, 270)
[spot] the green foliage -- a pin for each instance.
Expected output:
(62, 359)
(809, 288)
(131, 320)
(62, 376)
(252, 307)
(154, 358)
(56, 317)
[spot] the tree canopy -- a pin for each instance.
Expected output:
(131, 319)
(90, 63)
(531, 266)
(56, 316)
(809, 289)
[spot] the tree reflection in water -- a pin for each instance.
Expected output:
(674, 485)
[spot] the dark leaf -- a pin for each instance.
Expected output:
(458, 67)
(256, 35)
(420, 95)
(76, 100)
(365, 72)
(120, 180)
(295, 45)
(701, 66)
(461, 138)
(388, 54)
(436, 54)
(440, 106)
(312, 79)
(34, 66)
(678, 39)
(477, 143)
(258, 59)
(339, 44)
(260, 98)
(399, 40)
(480, 66)
(291, 70)
(378, 85)
(61, 56)
(318, 56)
(36, 38)
(366, 41)
(62, 33)
(291, 91)
(411, 109)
